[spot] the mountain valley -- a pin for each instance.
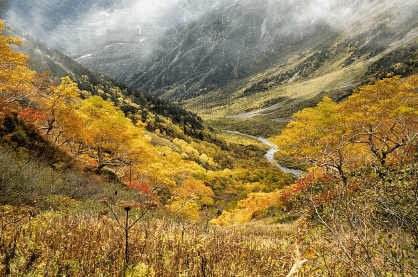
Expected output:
(209, 138)
(252, 55)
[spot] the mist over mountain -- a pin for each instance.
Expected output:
(247, 37)
(4, 6)
(208, 53)
(77, 24)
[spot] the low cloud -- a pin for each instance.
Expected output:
(65, 22)
(4, 5)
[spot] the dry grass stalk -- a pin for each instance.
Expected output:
(64, 244)
(298, 262)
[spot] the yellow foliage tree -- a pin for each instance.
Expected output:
(168, 168)
(17, 81)
(189, 198)
(378, 123)
(107, 136)
(384, 117)
(319, 136)
(63, 121)
(248, 208)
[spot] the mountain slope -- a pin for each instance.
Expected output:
(253, 55)
(59, 64)
(225, 45)
(207, 61)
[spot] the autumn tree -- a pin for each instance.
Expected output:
(371, 217)
(166, 171)
(107, 136)
(189, 198)
(253, 206)
(318, 136)
(17, 81)
(63, 121)
(19, 91)
(384, 117)
(377, 124)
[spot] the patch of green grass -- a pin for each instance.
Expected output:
(240, 139)
(323, 75)
(256, 126)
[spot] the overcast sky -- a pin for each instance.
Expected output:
(74, 20)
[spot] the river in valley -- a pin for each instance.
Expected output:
(270, 154)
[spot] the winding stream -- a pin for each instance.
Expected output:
(270, 154)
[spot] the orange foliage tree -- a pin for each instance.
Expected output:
(189, 198)
(17, 81)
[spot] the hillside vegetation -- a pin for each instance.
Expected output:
(97, 179)
(131, 101)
